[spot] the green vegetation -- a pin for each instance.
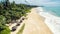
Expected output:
(2, 23)
(21, 30)
(5, 31)
(11, 11)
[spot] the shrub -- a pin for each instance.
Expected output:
(5, 31)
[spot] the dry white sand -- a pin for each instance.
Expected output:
(35, 24)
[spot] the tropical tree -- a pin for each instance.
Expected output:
(2, 22)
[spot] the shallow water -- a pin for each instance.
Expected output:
(52, 21)
(53, 10)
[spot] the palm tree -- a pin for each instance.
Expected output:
(2, 22)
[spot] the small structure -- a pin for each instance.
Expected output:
(17, 24)
(14, 28)
(23, 18)
(20, 21)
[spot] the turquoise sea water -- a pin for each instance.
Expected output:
(53, 10)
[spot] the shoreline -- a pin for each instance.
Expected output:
(35, 24)
(52, 21)
(40, 22)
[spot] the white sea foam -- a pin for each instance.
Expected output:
(52, 21)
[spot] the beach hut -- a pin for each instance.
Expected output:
(14, 28)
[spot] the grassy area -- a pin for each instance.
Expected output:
(5, 31)
(21, 30)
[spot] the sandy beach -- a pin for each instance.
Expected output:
(35, 24)
(52, 21)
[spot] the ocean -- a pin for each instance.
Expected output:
(52, 18)
(53, 10)
(52, 15)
